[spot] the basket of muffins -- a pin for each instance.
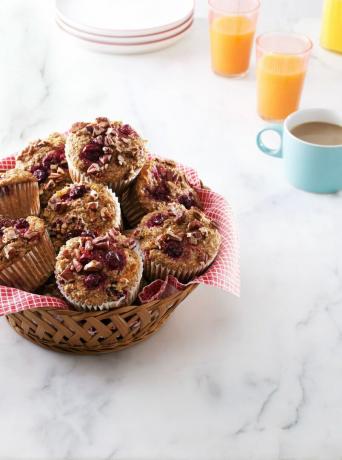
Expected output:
(100, 241)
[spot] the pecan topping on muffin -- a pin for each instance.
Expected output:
(106, 152)
(177, 241)
(99, 273)
(159, 182)
(80, 208)
(45, 159)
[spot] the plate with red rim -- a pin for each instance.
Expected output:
(126, 46)
(124, 18)
(133, 40)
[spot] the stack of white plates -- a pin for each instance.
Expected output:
(125, 26)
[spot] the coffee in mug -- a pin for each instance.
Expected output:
(311, 147)
(318, 132)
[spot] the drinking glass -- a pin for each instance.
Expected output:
(282, 61)
(232, 25)
(331, 33)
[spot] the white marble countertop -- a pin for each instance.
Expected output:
(252, 378)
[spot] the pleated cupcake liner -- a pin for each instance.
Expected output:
(20, 200)
(127, 300)
(131, 208)
(118, 217)
(117, 186)
(31, 270)
(154, 270)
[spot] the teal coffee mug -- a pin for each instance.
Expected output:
(308, 166)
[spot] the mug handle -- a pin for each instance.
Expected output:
(277, 153)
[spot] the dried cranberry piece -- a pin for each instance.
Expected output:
(94, 280)
(85, 258)
(115, 260)
(22, 224)
(53, 157)
(160, 192)
(156, 220)
(41, 174)
(126, 130)
(173, 248)
(96, 254)
(91, 152)
(186, 200)
(77, 191)
(59, 207)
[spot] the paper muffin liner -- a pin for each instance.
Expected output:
(33, 269)
(131, 208)
(20, 200)
(118, 217)
(117, 186)
(154, 271)
(128, 300)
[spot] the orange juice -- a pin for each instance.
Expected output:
(280, 82)
(231, 44)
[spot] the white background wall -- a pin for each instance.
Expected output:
(274, 12)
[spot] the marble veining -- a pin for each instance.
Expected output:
(255, 378)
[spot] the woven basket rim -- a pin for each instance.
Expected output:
(118, 311)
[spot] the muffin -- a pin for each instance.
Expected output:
(106, 152)
(177, 241)
(27, 257)
(99, 273)
(19, 194)
(81, 209)
(45, 159)
(159, 182)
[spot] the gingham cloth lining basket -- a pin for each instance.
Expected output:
(102, 332)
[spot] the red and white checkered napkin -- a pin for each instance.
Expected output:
(224, 273)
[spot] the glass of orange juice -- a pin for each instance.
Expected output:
(232, 26)
(282, 61)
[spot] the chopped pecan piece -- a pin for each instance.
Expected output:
(93, 266)
(88, 245)
(67, 274)
(77, 265)
(93, 168)
(29, 235)
(173, 235)
(194, 225)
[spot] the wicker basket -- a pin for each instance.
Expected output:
(95, 332)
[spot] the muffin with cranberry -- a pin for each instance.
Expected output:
(99, 273)
(19, 194)
(27, 257)
(45, 159)
(177, 241)
(106, 152)
(159, 182)
(81, 209)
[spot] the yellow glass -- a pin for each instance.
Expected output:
(331, 34)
